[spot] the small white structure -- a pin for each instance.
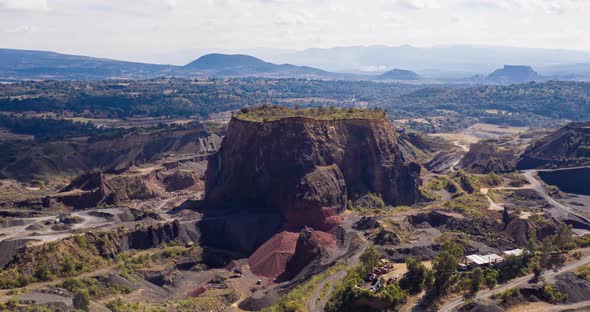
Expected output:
(514, 252)
(483, 260)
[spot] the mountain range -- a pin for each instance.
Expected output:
(18, 65)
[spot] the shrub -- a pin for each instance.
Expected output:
(414, 280)
(81, 300)
(369, 201)
(42, 272)
(553, 295)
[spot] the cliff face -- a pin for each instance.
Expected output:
(305, 169)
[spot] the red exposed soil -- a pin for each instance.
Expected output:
(274, 257)
(271, 258)
(197, 291)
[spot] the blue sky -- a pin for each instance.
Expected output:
(152, 30)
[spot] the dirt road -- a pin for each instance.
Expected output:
(316, 303)
(549, 277)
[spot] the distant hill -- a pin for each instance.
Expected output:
(26, 64)
(437, 62)
(514, 74)
(400, 74)
(245, 65)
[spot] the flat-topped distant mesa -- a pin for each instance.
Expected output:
(272, 113)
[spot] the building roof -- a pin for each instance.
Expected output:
(485, 259)
(514, 252)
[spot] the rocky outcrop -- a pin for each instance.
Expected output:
(520, 229)
(566, 147)
(305, 169)
(577, 289)
(88, 190)
(487, 157)
(434, 218)
(366, 223)
(181, 180)
(444, 161)
(97, 188)
(309, 246)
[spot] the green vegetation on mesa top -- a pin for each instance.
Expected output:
(265, 113)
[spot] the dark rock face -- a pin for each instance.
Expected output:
(181, 180)
(144, 237)
(88, 190)
(488, 158)
(433, 218)
(570, 181)
(577, 289)
(444, 161)
(366, 223)
(10, 248)
(519, 229)
(566, 147)
(305, 169)
(307, 248)
(241, 232)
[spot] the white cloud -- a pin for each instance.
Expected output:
(121, 28)
(23, 5)
(417, 4)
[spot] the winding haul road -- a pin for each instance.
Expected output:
(549, 275)
(316, 303)
(559, 211)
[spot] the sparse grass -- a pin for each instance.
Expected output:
(324, 291)
(271, 113)
(497, 196)
(516, 179)
(584, 272)
(475, 204)
(297, 298)
(508, 293)
(473, 182)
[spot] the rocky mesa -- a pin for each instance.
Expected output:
(299, 167)
(306, 168)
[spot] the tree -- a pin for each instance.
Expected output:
(414, 280)
(81, 300)
(563, 237)
(369, 259)
(42, 272)
(537, 271)
(444, 265)
(532, 243)
(476, 279)
(491, 278)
